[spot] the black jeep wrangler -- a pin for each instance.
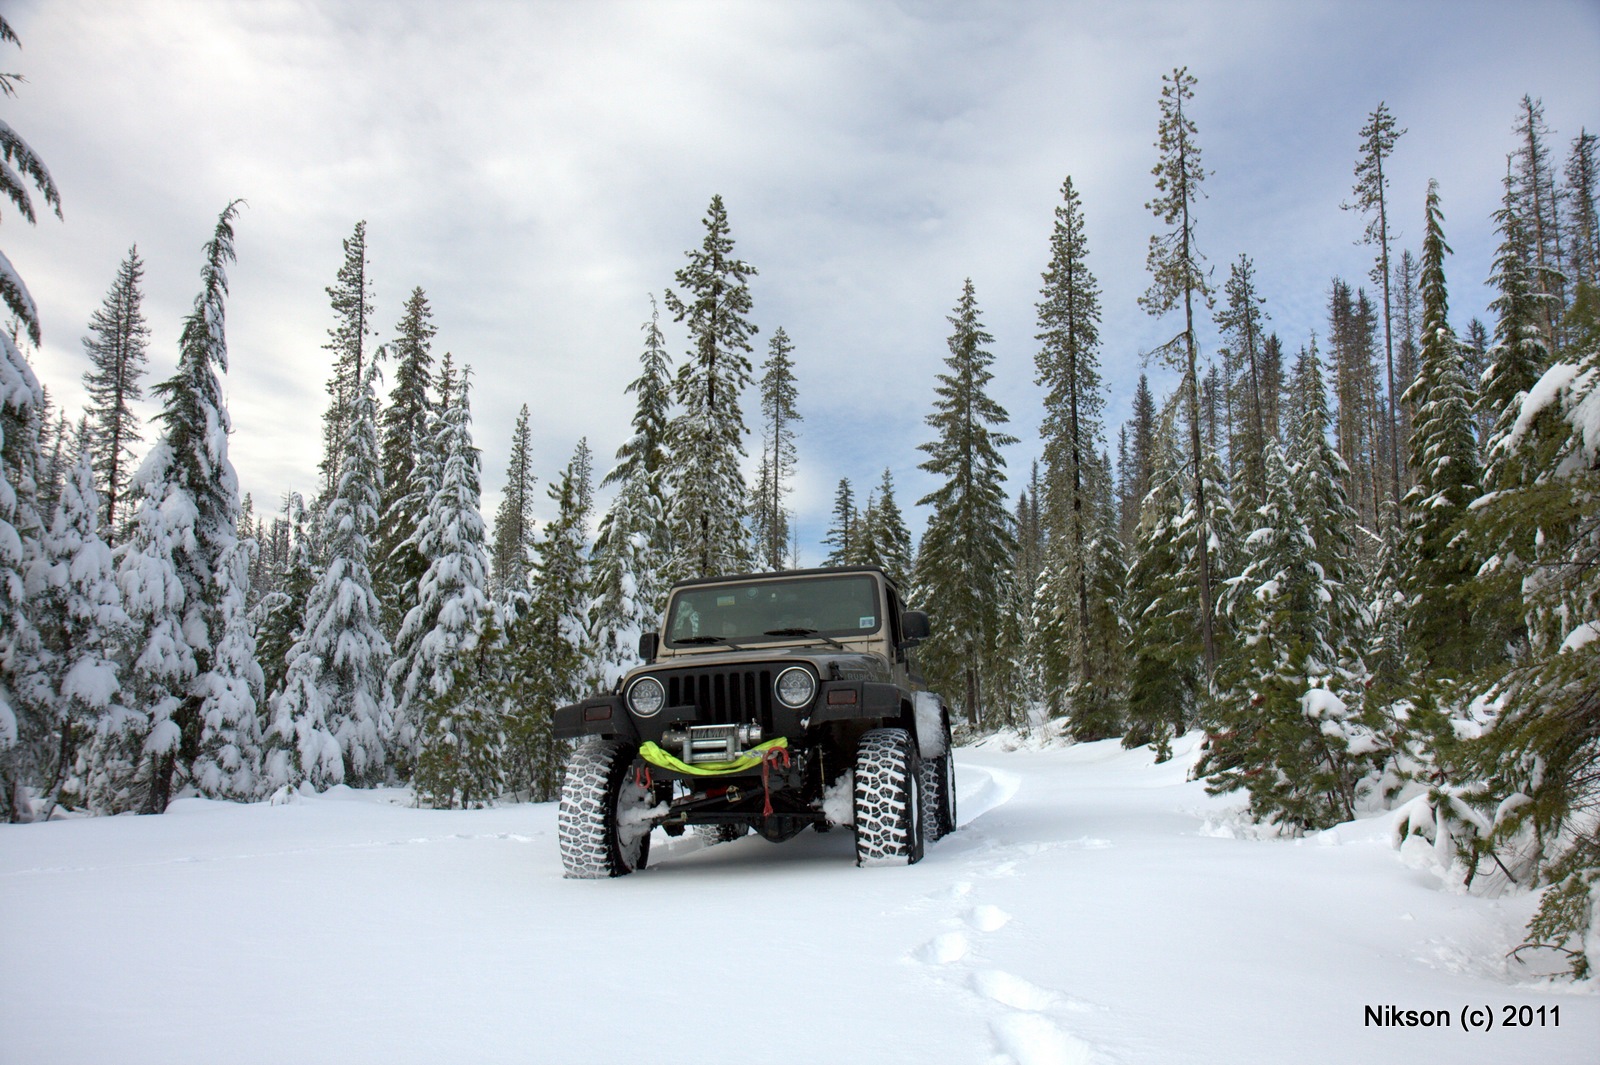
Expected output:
(770, 702)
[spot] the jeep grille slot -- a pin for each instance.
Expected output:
(724, 696)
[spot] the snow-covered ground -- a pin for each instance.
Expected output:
(1094, 907)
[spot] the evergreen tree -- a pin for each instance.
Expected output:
(769, 520)
(1537, 201)
(1583, 224)
(117, 348)
(1378, 139)
(397, 567)
(184, 571)
(1444, 466)
(346, 651)
(351, 295)
(551, 643)
(1141, 458)
(966, 551)
(462, 763)
(1069, 371)
(72, 588)
(279, 614)
(1177, 277)
(706, 439)
(514, 522)
(1240, 325)
(451, 602)
(886, 542)
(632, 539)
(1407, 327)
(845, 532)
(23, 730)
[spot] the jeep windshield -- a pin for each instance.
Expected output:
(826, 608)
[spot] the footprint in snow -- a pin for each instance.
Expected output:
(1011, 990)
(986, 918)
(1029, 1039)
(945, 948)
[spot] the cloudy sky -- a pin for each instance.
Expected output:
(540, 169)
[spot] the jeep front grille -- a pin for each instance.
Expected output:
(723, 696)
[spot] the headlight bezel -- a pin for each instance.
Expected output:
(811, 688)
(632, 696)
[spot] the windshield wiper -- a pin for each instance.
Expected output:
(704, 641)
(805, 632)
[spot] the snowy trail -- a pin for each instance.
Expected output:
(1094, 907)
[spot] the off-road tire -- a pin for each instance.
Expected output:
(888, 820)
(938, 796)
(597, 789)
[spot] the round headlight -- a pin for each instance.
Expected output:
(646, 697)
(796, 687)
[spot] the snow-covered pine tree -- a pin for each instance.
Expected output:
(625, 565)
(550, 649)
(1240, 325)
(182, 570)
(1537, 203)
(1100, 699)
(1165, 680)
(706, 438)
(887, 541)
(769, 520)
(279, 613)
(1177, 277)
(341, 645)
(116, 347)
(511, 553)
(22, 403)
(451, 602)
(965, 557)
(73, 593)
(1582, 174)
(1069, 371)
(1440, 629)
(844, 534)
(463, 758)
(1134, 480)
(397, 567)
(1378, 139)
(351, 296)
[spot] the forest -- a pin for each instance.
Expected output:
(1365, 566)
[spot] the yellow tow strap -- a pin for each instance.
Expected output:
(657, 756)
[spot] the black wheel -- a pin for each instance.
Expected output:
(602, 822)
(939, 796)
(887, 807)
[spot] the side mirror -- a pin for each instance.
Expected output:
(649, 643)
(914, 626)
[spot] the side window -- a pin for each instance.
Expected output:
(894, 622)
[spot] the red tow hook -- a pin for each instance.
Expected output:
(773, 756)
(642, 777)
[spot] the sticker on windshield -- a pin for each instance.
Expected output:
(867, 622)
(726, 600)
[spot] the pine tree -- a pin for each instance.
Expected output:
(1378, 139)
(1069, 371)
(1178, 277)
(550, 644)
(1141, 459)
(1444, 465)
(1583, 224)
(632, 539)
(845, 532)
(72, 588)
(451, 602)
(22, 722)
(280, 613)
(1407, 327)
(351, 296)
(397, 567)
(966, 551)
(706, 439)
(347, 651)
(462, 762)
(1240, 325)
(769, 520)
(184, 572)
(514, 521)
(117, 348)
(1537, 200)
(886, 542)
